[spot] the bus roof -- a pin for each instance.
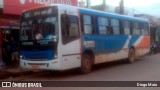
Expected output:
(112, 15)
(94, 12)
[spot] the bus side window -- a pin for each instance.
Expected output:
(136, 28)
(103, 25)
(70, 29)
(73, 29)
(87, 24)
(63, 24)
(144, 29)
(115, 23)
(127, 27)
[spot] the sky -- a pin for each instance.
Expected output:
(139, 6)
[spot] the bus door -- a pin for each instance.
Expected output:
(70, 41)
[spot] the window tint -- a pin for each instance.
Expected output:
(115, 26)
(126, 26)
(87, 24)
(87, 19)
(102, 25)
(102, 21)
(144, 29)
(73, 29)
(69, 26)
(136, 28)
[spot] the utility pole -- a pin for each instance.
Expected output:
(104, 5)
(82, 4)
(88, 4)
(121, 6)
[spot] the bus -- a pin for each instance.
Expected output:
(63, 37)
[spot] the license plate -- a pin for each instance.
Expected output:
(35, 67)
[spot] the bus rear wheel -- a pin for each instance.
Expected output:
(131, 55)
(86, 64)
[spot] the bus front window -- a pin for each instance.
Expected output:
(39, 28)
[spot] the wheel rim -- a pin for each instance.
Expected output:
(87, 64)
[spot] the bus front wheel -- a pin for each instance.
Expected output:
(86, 64)
(131, 55)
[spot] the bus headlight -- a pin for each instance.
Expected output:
(21, 56)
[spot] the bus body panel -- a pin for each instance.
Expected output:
(40, 65)
(114, 47)
(110, 15)
(142, 46)
(70, 52)
(71, 55)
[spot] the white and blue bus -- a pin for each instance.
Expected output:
(62, 37)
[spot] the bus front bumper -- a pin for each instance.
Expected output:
(40, 65)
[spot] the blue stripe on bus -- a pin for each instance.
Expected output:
(109, 43)
(48, 54)
(133, 39)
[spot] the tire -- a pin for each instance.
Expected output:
(131, 56)
(86, 64)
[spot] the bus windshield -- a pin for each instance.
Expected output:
(39, 27)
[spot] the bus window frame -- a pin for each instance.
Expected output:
(106, 26)
(93, 26)
(147, 25)
(64, 42)
(138, 23)
(130, 27)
